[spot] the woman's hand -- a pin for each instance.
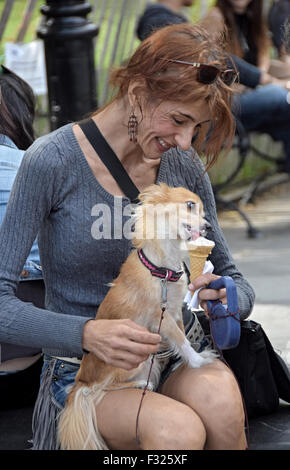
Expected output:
(120, 343)
(267, 79)
(205, 294)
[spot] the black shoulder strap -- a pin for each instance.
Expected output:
(110, 159)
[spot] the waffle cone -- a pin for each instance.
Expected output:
(198, 257)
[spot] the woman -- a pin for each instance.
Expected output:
(277, 16)
(63, 183)
(20, 366)
(247, 32)
(246, 35)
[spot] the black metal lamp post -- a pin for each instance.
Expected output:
(69, 52)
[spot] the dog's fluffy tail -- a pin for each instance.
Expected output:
(77, 426)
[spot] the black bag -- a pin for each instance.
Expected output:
(262, 374)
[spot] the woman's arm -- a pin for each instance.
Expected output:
(263, 60)
(33, 196)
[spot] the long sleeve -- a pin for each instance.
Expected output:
(10, 160)
(33, 197)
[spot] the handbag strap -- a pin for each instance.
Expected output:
(110, 159)
(113, 164)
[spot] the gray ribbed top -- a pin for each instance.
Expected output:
(55, 194)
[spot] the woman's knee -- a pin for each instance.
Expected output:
(180, 429)
(227, 403)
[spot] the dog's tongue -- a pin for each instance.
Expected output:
(194, 235)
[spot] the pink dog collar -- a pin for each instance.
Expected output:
(160, 272)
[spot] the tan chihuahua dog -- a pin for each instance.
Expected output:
(151, 277)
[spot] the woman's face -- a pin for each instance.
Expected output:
(239, 6)
(170, 124)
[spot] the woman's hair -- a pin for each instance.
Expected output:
(168, 81)
(257, 26)
(17, 105)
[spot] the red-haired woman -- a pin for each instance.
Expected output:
(166, 99)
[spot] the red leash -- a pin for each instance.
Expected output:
(148, 379)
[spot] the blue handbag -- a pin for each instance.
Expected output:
(225, 322)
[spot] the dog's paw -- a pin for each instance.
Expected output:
(195, 359)
(143, 383)
(190, 356)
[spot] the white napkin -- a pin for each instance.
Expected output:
(192, 300)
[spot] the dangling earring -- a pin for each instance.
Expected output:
(132, 127)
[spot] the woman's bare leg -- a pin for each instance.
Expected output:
(212, 392)
(163, 422)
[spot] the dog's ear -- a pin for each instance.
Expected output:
(154, 194)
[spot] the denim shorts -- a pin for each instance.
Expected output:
(61, 378)
(57, 379)
(60, 374)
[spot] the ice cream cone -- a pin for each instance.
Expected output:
(199, 250)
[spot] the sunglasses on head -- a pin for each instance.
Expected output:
(207, 74)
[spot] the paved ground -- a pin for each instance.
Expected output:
(265, 261)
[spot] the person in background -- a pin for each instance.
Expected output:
(278, 14)
(258, 108)
(164, 12)
(20, 366)
(247, 33)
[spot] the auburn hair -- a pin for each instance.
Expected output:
(167, 80)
